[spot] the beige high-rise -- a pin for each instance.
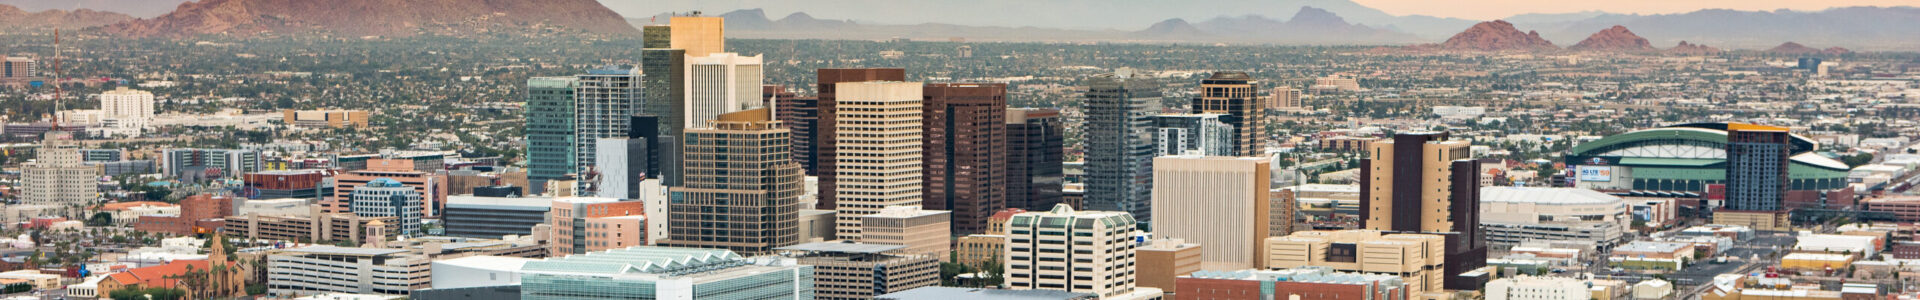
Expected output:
(924, 232)
(1219, 202)
(877, 133)
(742, 188)
(721, 83)
(698, 35)
(56, 177)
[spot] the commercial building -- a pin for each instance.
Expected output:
(719, 83)
(493, 217)
(827, 84)
(1308, 283)
(126, 112)
(1075, 251)
(604, 102)
(329, 269)
(1284, 97)
(1652, 255)
(663, 273)
(1688, 158)
(801, 116)
(550, 140)
(1219, 202)
(621, 164)
(477, 271)
(277, 184)
(1815, 262)
(964, 151)
(1119, 143)
(742, 188)
(1236, 95)
(198, 214)
(1757, 181)
(924, 232)
(1418, 259)
(282, 206)
(388, 198)
(862, 271)
(313, 227)
(877, 136)
(199, 164)
(1428, 182)
(1538, 288)
(431, 186)
(332, 118)
(18, 67)
(1513, 215)
(589, 224)
(1193, 134)
(56, 177)
(1164, 260)
(1036, 141)
(1901, 207)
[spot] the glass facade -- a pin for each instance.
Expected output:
(549, 128)
(1120, 112)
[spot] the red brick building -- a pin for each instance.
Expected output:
(1305, 283)
(198, 214)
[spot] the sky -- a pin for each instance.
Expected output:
(1493, 9)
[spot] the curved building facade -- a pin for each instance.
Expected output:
(1687, 158)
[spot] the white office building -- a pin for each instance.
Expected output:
(386, 197)
(721, 83)
(125, 112)
(329, 269)
(56, 177)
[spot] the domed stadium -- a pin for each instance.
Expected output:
(1685, 159)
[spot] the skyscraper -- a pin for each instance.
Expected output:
(802, 116)
(742, 191)
(964, 152)
(622, 164)
(57, 177)
(1120, 110)
(1238, 96)
(1036, 154)
(1757, 159)
(1218, 201)
(549, 116)
(699, 35)
(827, 83)
(605, 101)
(1284, 97)
(126, 111)
(720, 83)
(1198, 134)
(1427, 183)
(663, 57)
(877, 137)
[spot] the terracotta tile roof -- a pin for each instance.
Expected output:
(157, 275)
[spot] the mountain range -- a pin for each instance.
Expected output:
(15, 18)
(1218, 21)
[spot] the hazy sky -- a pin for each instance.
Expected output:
(1492, 9)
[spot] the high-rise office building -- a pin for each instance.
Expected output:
(1218, 201)
(742, 190)
(605, 100)
(877, 141)
(720, 83)
(209, 163)
(57, 177)
(665, 80)
(1196, 134)
(388, 198)
(1237, 95)
(699, 35)
(1075, 251)
(18, 67)
(964, 152)
(549, 128)
(621, 165)
(1036, 141)
(826, 84)
(1284, 97)
(433, 187)
(801, 115)
(1427, 183)
(1120, 110)
(1757, 159)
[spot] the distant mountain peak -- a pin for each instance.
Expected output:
(15, 18)
(1496, 35)
(1793, 48)
(1175, 27)
(1685, 48)
(1616, 38)
(1309, 15)
(374, 17)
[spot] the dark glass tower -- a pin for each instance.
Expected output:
(1120, 110)
(964, 152)
(1757, 158)
(1237, 95)
(1035, 156)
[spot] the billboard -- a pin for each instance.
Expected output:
(1595, 173)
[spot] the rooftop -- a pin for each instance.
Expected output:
(1545, 195)
(957, 293)
(842, 247)
(1644, 246)
(355, 251)
(541, 203)
(632, 260)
